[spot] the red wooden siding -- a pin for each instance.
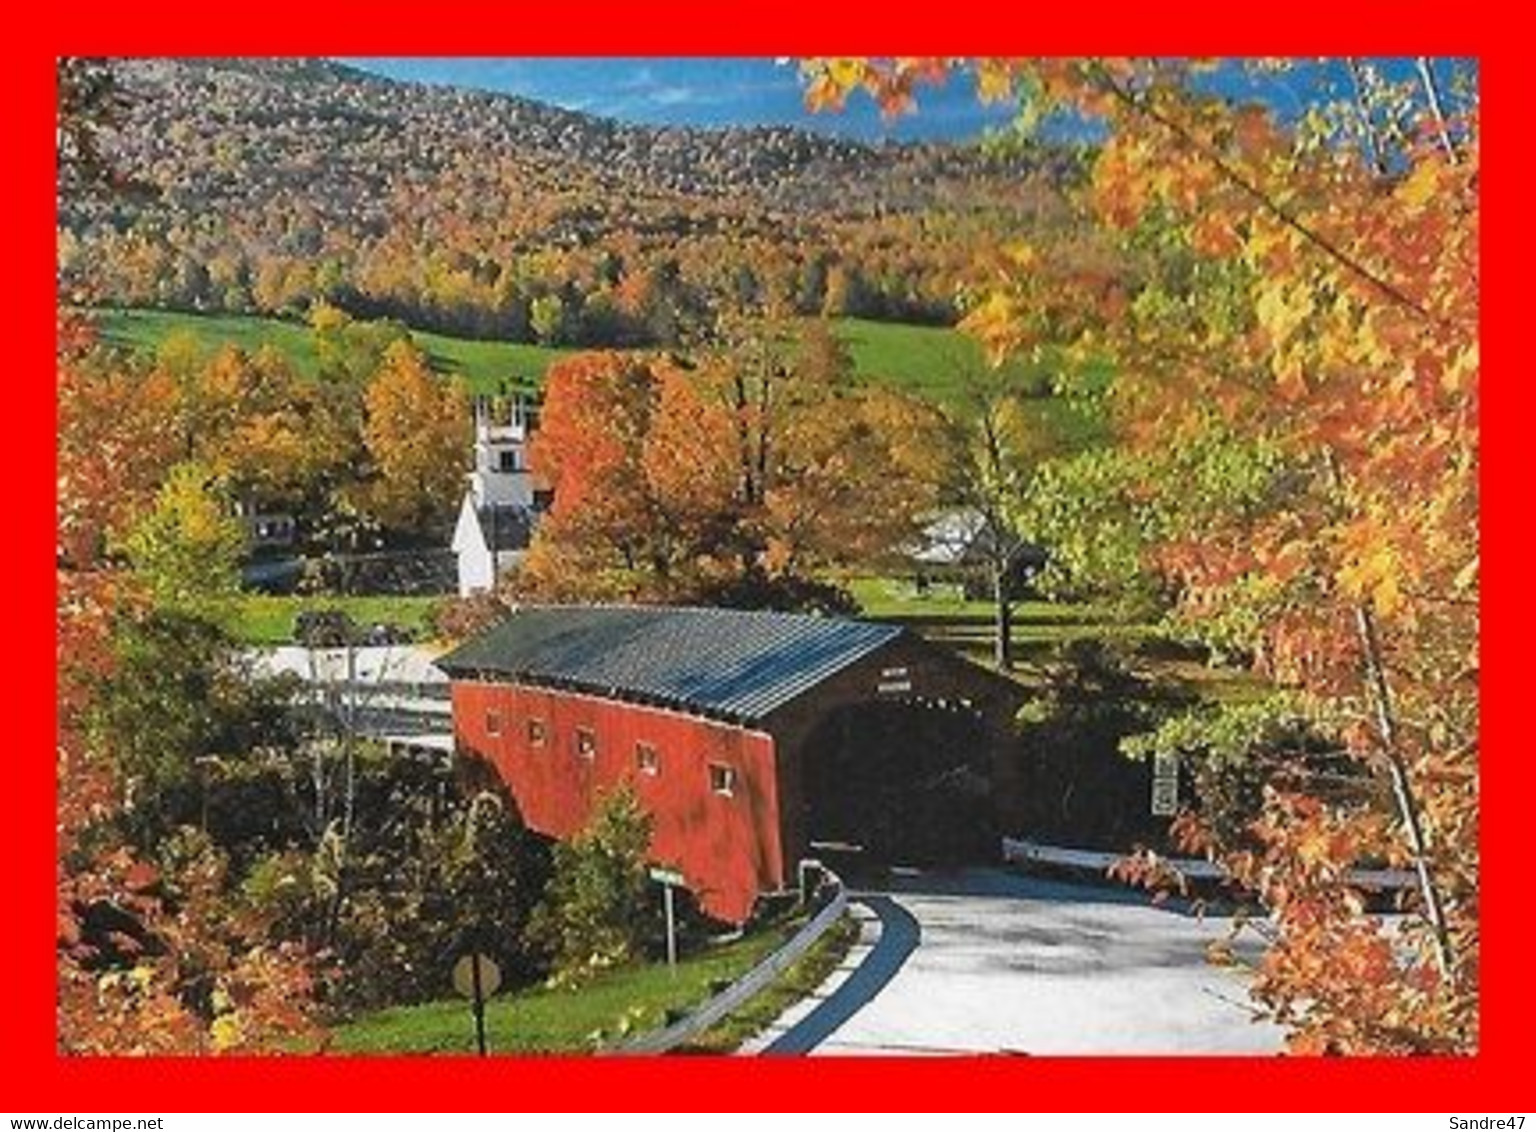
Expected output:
(728, 848)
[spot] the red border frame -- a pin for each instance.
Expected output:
(36, 1077)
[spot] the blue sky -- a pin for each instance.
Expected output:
(695, 92)
(760, 91)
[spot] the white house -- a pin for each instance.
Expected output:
(502, 506)
(961, 540)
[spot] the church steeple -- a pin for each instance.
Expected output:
(503, 426)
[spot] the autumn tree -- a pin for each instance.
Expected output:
(150, 960)
(186, 550)
(855, 475)
(417, 435)
(738, 480)
(1298, 309)
(827, 472)
(636, 464)
(349, 350)
(116, 441)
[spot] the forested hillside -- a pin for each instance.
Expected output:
(264, 185)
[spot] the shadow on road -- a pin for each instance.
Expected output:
(899, 937)
(1005, 884)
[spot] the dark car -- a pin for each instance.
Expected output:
(324, 628)
(388, 633)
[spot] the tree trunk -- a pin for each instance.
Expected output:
(1432, 96)
(1002, 645)
(1369, 142)
(1379, 692)
(1402, 788)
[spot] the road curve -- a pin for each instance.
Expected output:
(987, 961)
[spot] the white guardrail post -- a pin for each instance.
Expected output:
(706, 1015)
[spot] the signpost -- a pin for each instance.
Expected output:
(476, 977)
(669, 879)
(1165, 785)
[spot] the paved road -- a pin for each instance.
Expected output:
(985, 961)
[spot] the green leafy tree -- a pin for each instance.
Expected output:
(995, 440)
(186, 550)
(351, 351)
(597, 912)
(178, 704)
(546, 317)
(417, 884)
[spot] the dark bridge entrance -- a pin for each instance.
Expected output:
(907, 781)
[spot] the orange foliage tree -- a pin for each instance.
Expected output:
(150, 960)
(735, 480)
(1309, 292)
(417, 432)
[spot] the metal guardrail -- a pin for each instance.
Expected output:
(768, 969)
(1029, 852)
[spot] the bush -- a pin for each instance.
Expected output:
(597, 911)
(467, 882)
(459, 618)
(783, 593)
(324, 628)
(427, 872)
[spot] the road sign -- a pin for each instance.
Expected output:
(1165, 797)
(1165, 785)
(671, 913)
(669, 879)
(476, 984)
(476, 976)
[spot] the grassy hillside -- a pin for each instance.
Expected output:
(482, 364)
(919, 358)
(546, 1020)
(923, 360)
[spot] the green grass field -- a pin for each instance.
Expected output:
(1040, 628)
(944, 605)
(541, 1020)
(482, 364)
(920, 359)
(917, 358)
(923, 360)
(267, 619)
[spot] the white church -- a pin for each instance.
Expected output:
(502, 505)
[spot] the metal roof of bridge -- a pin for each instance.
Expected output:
(736, 664)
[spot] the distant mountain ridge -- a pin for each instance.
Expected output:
(387, 119)
(278, 181)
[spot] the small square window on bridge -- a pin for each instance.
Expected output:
(647, 761)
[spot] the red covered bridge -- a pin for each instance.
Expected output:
(746, 735)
